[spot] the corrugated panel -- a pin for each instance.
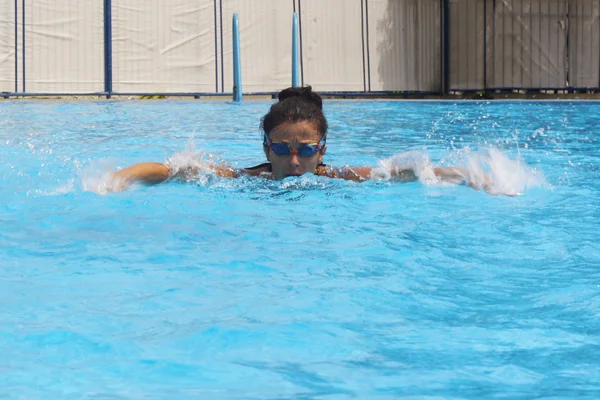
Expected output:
(161, 46)
(265, 44)
(332, 45)
(7, 46)
(553, 55)
(527, 16)
(467, 47)
(405, 47)
(584, 43)
(429, 66)
(530, 39)
(63, 46)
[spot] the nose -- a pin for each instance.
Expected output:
(294, 162)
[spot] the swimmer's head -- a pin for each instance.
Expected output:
(295, 130)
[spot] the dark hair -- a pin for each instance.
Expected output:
(295, 105)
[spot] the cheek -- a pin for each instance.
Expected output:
(277, 163)
(310, 162)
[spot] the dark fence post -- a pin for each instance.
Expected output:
(568, 45)
(485, 44)
(108, 83)
(446, 68)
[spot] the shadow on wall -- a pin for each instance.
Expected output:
(388, 33)
(408, 48)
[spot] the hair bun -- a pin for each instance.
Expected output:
(304, 93)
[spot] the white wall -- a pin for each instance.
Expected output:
(63, 46)
(163, 46)
(265, 44)
(332, 45)
(7, 46)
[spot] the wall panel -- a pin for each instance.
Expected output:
(265, 42)
(405, 45)
(584, 43)
(332, 45)
(7, 46)
(163, 46)
(63, 46)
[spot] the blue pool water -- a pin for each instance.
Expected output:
(308, 288)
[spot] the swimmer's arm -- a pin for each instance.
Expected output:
(456, 175)
(360, 174)
(151, 173)
(460, 176)
(148, 173)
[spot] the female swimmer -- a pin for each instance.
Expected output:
(294, 141)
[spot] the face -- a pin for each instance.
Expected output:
(294, 134)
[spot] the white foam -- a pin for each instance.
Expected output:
(415, 161)
(99, 178)
(507, 176)
(60, 190)
(489, 169)
(191, 164)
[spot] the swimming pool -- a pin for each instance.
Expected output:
(306, 288)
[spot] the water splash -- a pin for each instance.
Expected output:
(507, 176)
(416, 161)
(58, 191)
(98, 177)
(487, 169)
(189, 165)
(192, 165)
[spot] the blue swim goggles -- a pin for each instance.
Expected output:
(304, 150)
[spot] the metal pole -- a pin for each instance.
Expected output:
(16, 46)
(568, 45)
(295, 66)
(362, 32)
(368, 45)
(108, 73)
(222, 46)
(23, 34)
(216, 50)
(237, 70)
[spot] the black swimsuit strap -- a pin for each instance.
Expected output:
(265, 166)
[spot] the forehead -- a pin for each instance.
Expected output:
(295, 131)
